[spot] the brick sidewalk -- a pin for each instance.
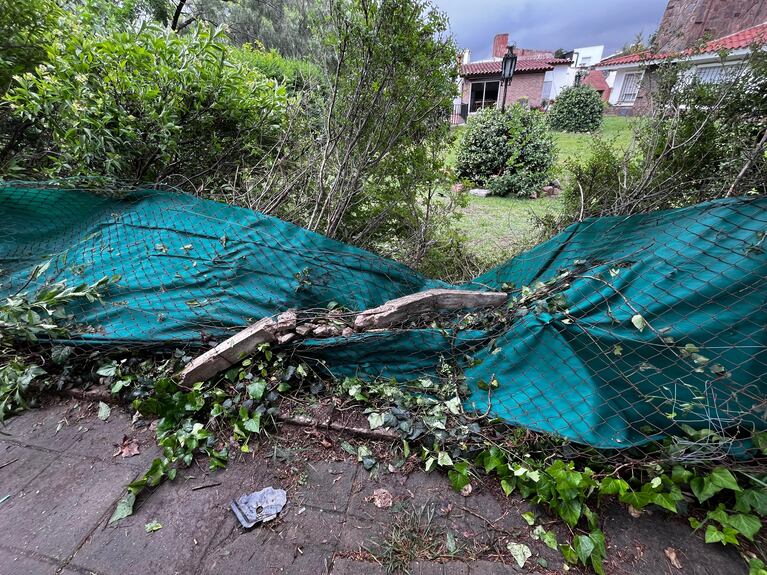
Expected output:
(63, 480)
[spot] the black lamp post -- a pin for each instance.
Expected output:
(508, 65)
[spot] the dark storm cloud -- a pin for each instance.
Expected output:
(550, 24)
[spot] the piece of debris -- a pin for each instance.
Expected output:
(480, 192)
(634, 512)
(466, 490)
(381, 498)
(128, 448)
(671, 554)
(326, 331)
(259, 507)
(206, 486)
(152, 526)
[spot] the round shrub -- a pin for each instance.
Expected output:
(577, 109)
(510, 152)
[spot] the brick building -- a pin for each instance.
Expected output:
(685, 34)
(482, 86)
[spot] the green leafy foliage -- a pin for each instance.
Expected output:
(210, 417)
(577, 109)
(141, 106)
(510, 151)
(28, 317)
(25, 29)
(702, 141)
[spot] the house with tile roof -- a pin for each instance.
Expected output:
(481, 84)
(710, 62)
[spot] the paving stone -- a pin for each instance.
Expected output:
(55, 427)
(58, 510)
(103, 439)
(14, 562)
(455, 568)
(495, 568)
(242, 557)
(351, 567)
(638, 544)
(361, 504)
(433, 568)
(20, 466)
(357, 534)
(189, 520)
(328, 485)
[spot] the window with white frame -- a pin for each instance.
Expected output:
(716, 74)
(483, 95)
(546, 92)
(630, 88)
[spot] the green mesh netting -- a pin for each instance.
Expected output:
(575, 364)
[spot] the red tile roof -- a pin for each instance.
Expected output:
(596, 80)
(737, 41)
(493, 68)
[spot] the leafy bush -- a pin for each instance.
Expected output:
(147, 105)
(577, 109)
(703, 141)
(295, 74)
(24, 28)
(510, 151)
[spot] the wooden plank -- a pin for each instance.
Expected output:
(401, 309)
(229, 352)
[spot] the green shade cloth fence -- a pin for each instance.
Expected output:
(192, 268)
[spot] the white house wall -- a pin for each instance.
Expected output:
(560, 79)
(615, 92)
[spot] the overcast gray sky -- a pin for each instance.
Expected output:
(550, 24)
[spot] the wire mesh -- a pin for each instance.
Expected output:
(618, 332)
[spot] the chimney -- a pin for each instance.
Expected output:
(500, 44)
(466, 57)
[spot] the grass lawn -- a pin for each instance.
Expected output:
(498, 228)
(615, 129)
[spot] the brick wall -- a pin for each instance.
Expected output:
(527, 85)
(686, 21)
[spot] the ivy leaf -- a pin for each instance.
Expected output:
(746, 525)
(454, 406)
(444, 459)
(108, 370)
(152, 526)
(253, 424)
(520, 552)
(722, 478)
(570, 511)
(256, 389)
(104, 411)
(60, 353)
(639, 322)
(583, 546)
(529, 516)
(124, 508)
(550, 539)
(376, 420)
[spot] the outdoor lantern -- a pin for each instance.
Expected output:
(508, 65)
